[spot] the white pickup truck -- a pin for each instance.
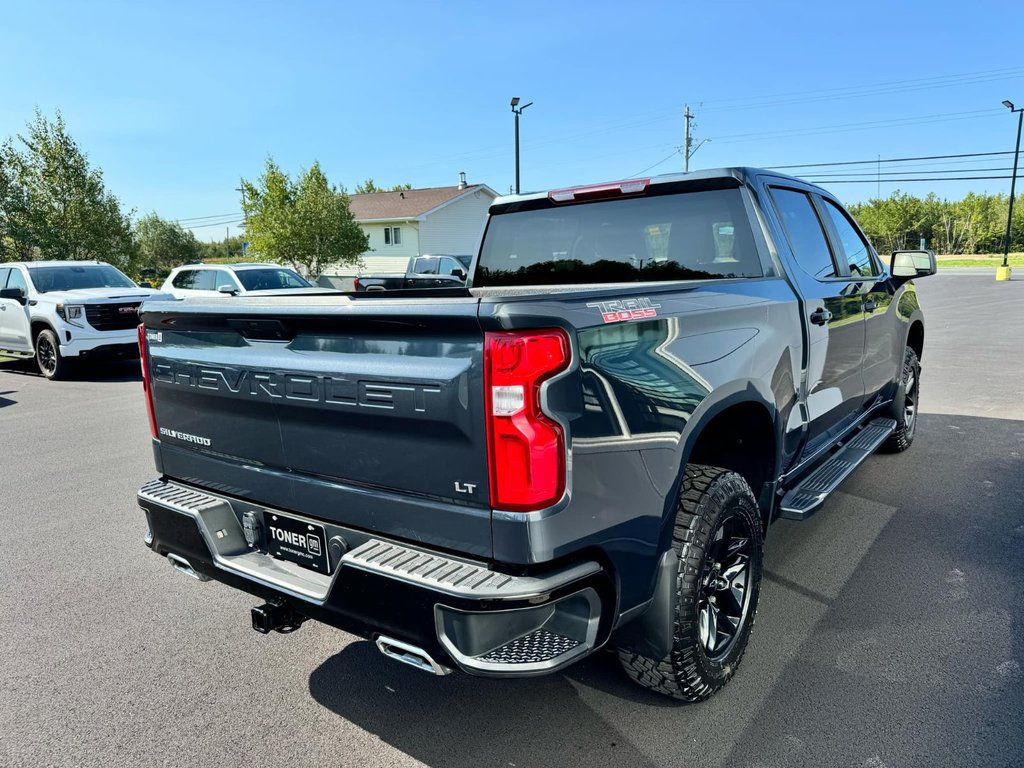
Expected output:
(62, 311)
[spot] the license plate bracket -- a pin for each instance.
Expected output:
(297, 541)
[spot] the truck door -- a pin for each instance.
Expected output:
(833, 318)
(876, 293)
(15, 327)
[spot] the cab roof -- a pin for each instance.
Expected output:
(741, 174)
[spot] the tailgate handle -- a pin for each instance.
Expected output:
(261, 330)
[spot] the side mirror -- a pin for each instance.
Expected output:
(230, 290)
(14, 293)
(910, 264)
(145, 284)
(459, 273)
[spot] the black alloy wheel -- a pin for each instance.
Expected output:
(46, 355)
(723, 604)
(51, 364)
(905, 404)
(910, 403)
(718, 539)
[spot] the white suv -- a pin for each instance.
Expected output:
(233, 279)
(60, 311)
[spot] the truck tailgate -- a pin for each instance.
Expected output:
(317, 394)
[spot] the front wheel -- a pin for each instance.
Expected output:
(905, 404)
(52, 364)
(718, 540)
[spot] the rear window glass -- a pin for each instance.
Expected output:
(687, 236)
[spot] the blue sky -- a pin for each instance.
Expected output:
(175, 101)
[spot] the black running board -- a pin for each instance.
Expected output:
(804, 500)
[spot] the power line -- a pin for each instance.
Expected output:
(671, 112)
(890, 160)
(651, 167)
(735, 138)
(851, 92)
(893, 181)
(216, 224)
(203, 218)
(915, 173)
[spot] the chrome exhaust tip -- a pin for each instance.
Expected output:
(182, 565)
(410, 654)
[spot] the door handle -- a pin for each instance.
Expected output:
(820, 316)
(870, 306)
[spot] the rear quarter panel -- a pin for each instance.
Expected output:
(635, 395)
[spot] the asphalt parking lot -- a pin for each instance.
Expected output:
(889, 634)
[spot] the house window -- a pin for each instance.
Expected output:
(392, 235)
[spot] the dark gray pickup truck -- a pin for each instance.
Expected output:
(583, 447)
(439, 271)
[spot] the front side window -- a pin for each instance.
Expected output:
(270, 279)
(425, 266)
(806, 235)
(73, 277)
(448, 266)
(205, 280)
(17, 280)
(855, 249)
(682, 236)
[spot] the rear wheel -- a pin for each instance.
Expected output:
(48, 357)
(718, 540)
(905, 404)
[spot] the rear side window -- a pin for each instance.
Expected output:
(685, 236)
(184, 279)
(3, 276)
(805, 233)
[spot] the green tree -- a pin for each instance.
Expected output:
(56, 205)
(163, 244)
(228, 248)
(306, 222)
(368, 187)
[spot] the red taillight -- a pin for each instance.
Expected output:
(525, 448)
(355, 284)
(147, 384)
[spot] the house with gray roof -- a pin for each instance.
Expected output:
(413, 222)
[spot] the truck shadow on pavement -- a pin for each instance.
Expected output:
(97, 372)
(468, 722)
(866, 611)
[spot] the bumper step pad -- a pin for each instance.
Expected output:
(537, 647)
(805, 499)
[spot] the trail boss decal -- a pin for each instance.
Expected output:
(626, 309)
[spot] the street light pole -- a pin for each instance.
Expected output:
(1013, 189)
(517, 111)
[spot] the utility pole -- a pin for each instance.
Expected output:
(1003, 273)
(687, 139)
